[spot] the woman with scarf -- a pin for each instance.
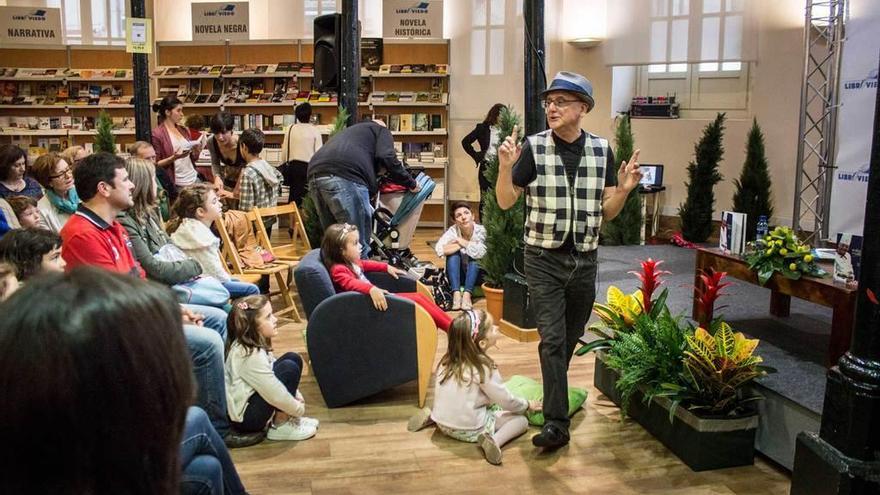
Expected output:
(60, 200)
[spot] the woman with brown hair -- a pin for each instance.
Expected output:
(106, 411)
(55, 174)
(486, 135)
(13, 169)
(176, 155)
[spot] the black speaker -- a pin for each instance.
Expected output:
(327, 32)
(517, 306)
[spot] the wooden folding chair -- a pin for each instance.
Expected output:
(278, 268)
(288, 252)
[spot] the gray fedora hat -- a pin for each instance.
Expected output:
(573, 83)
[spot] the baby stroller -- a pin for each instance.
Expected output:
(393, 221)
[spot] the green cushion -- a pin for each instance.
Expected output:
(526, 388)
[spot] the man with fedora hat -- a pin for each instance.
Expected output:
(568, 194)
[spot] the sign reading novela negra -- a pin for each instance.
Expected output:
(30, 25)
(220, 21)
(412, 18)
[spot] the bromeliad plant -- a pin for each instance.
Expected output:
(781, 251)
(707, 293)
(716, 369)
(621, 311)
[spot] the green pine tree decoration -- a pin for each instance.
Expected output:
(104, 139)
(626, 227)
(752, 195)
(504, 228)
(310, 210)
(696, 211)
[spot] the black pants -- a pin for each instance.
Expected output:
(562, 287)
(295, 178)
(288, 369)
(484, 186)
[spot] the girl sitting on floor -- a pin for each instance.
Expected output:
(195, 209)
(260, 388)
(341, 253)
(471, 402)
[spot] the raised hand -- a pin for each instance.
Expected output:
(629, 173)
(510, 150)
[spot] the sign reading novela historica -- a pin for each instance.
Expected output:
(412, 19)
(30, 25)
(219, 21)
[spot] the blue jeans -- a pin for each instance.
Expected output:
(206, 351)
(342, 201)
(238, 289)
(455, 271)
(288, 370)
(205, 462)
(215, 318)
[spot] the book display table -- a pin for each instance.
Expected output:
(822, 291)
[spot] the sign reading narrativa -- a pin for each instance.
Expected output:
(30, 25)
(219, 21)
(412, 19)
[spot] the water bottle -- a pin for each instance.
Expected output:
(763, 228)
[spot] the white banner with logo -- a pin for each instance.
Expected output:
(855, 122)
(30, 25)
(219, 21)
(412, 19)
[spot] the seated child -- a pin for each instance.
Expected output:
(463, 245)
(260, 388)
(341, 252)
(196, 208)
(26, 210)
(8, 282)
(471, 403)
(259, 183)
(31, 252)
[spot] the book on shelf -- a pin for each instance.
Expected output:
(437, 122)
(848, 257)
(421, 122)
(422, 97)
(227, 69)
(406, 122)
(385, 69)
(371, 53)
(202, 99)
(261, 69)
(392, 96)
(394, 122)
(215, 70)
(395, 68)
(418, 68)
(442, 69)
(307, 67)
(406, 69)
(193, 70)
(407, 97)
(377, 97)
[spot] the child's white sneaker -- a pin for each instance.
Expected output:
(310, 421)
(491, 450)
(292, 429)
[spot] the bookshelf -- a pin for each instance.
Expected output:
(51, 96)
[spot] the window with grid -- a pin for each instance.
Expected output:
(312, 9)
(719, 81)
(487, 37)
(106, 18)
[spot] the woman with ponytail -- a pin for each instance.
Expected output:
(176, 155)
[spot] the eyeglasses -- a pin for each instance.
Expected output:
(67, 171)
(559, 103)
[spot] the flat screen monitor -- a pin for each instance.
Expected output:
(652, 175)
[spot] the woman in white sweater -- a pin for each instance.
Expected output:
(260, 388)
(463, 245)
(60, 201)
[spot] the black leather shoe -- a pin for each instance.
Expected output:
(551, 437)
(237, 440)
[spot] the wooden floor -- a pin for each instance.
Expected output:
(365, 448)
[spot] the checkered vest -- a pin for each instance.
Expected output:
(551, 203)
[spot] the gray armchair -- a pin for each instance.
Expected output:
(357, 351)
